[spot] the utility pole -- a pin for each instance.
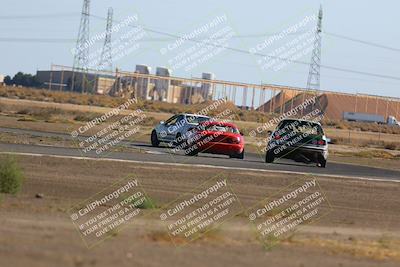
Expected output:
(81, 54)
(106, 55)
(315, 65)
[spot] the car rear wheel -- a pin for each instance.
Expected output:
(154, 139)
(191, 153)
(269, 157)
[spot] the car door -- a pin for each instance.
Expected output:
(173, 126)
(162, 128)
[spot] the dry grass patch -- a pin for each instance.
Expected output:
(382, 249)
(367, 154)
(212, 236)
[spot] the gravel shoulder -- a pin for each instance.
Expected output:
(361, 230)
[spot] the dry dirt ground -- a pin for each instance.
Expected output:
(59, 124)
(8, 105)
(361, 229)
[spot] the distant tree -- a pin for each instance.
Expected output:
(8, 80)
(25, 79)
(36, 82)
(22, 79)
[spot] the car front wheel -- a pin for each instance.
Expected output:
(154, 139)
(269, 157)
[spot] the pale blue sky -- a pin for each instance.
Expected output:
(373, 21)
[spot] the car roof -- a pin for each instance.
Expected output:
(195, 115)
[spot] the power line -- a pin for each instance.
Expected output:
(362, 42)
(42, 16)
(68, 40)
(299, 72)
(255, 35)
(238, 50)
(38, 40)
(174, 36)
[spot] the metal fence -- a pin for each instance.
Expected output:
(262, 97)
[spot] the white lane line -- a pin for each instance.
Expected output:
(202, 166)
(155, 152)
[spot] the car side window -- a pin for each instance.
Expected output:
(180, 118)
(191, 119)
(320, 131)
(172, 120)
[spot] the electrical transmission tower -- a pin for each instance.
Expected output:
(106, 55)
(81, 57)
(315, 65)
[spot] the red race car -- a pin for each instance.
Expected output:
(216, 138)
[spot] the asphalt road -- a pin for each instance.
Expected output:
(146, 153)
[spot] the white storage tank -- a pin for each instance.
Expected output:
(207, 88)
(142, 88)
(162, 85)
(143, 69)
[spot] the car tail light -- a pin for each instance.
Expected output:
(314, 142)
(232, 140)
(236, 140)
(319, 142)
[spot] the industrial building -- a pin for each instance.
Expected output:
(141, 84)
(162, 86)
(68, 80)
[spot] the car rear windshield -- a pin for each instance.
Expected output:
(221, 128)
(196, 120)
(305, 127)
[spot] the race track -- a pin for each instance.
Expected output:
(145, 153)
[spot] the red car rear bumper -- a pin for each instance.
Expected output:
(221, 148)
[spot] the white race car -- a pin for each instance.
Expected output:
(176, 129)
